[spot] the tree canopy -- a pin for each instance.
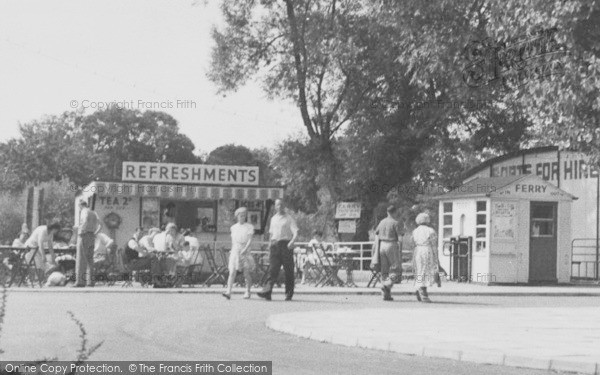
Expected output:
(83, 148)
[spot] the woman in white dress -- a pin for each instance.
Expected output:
(240, 258)
(425, 256)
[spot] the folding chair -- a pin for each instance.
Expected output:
(8, 262)
(186, 273)
(375, 278)
(26, 271)
(218, 270)
(330, 271)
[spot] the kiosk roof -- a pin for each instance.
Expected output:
(521, 186)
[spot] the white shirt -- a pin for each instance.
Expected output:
(283, 227)
(165, 242)
(89, 222)
(146, 244)
(133, 244)
(101, 245)
(193, 241)
(39, 236)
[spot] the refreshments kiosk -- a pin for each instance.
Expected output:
(513, 229)
(196, 196)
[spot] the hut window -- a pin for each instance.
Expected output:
(481, 227)
(447, 220)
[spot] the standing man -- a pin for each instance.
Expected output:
(283, 232)
(388, 255)
(89, 226)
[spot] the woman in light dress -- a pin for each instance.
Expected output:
(240, 258)
(425, 256)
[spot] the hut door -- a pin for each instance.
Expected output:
(542, 244)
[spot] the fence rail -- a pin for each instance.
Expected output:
(584, 259)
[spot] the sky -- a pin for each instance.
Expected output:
(60, 55)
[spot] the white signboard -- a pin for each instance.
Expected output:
(348, 210)
(347, 226)
(503, 220)
(190, 173)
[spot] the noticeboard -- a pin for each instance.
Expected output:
(347, 226)
(348, 210)
(503, 220)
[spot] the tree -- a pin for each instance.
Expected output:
(240, 155)
(536, 60)
(302, 50)
(231, 155)
(86, 148)
(296, 163)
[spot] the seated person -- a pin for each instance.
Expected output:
(13, 256)
(103, 247)
(20, 242)
(195, 256)
(316, 246)
(183, 256)
(167, 246)
(132, 245)
(143, 257)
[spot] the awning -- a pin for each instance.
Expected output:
(174, 191)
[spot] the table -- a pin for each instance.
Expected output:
(347, 262)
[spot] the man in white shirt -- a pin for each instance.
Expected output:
(283, 232)
(139, 252)
(40, 238)
(89, 227)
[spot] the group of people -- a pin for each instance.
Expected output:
(283, 232)
(162, 251)
(387, 257)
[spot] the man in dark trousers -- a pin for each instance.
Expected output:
(283, 232)
(388, 253)
(89, 226)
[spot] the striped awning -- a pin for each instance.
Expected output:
(173, 191)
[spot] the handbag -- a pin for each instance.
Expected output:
(437, 278)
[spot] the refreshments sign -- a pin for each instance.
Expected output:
(190, 173)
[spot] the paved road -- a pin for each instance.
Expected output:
(140, 326)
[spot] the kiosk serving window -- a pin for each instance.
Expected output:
(481, 227)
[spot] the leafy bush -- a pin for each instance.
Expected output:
(12, 216)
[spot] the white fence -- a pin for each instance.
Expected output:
(362, 252)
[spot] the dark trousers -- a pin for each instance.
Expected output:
(279, 256)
